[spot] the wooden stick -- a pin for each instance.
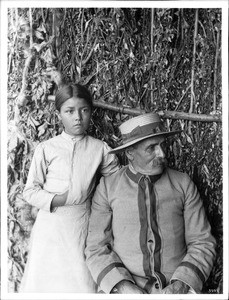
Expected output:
(164, 114)
(215, 70)
(192, 101)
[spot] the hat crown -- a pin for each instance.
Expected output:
(141, 120)
(141, 127)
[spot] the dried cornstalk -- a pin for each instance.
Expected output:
(152, 50)
(215, 70)
(193, 68)
(22, 99)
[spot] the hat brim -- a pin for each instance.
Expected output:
(123, 147)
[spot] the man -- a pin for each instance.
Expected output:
(148, 232)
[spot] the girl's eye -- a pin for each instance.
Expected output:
(85, 110)
(69, 111)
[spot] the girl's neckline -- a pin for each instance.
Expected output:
(72, 137)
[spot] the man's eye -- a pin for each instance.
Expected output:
(150, 148)
(163, 145)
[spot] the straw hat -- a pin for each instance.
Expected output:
(141, 127)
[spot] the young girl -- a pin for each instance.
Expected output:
(60, 183)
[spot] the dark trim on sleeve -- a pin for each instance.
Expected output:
(107, 270)
(194, 268)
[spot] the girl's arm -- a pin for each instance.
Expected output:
(110, 163)
(34, 193)
(59, 200)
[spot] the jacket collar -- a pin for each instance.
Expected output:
(136, 176)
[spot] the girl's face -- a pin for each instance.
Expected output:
(75, 114)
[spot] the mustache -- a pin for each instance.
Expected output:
(160, 162)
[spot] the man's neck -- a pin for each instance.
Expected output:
(136, 176)
(133, 170)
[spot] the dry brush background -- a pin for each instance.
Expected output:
(133, 61)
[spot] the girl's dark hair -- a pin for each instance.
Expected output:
(68, 91)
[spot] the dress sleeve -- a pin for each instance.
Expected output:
(110, 163)
(104, 264)
(197, 263)
(34, 193)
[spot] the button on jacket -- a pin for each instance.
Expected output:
(149, 230)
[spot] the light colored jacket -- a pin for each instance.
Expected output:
(149, 235)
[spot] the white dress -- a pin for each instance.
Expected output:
(56, 261)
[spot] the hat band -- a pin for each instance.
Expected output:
(142, 131)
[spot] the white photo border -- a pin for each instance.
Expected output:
(5, 295)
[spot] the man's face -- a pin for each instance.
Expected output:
(148, 156)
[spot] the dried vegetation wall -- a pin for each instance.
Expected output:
(132, 60)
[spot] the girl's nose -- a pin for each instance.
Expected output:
(78, 115)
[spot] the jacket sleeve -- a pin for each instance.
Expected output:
(110, 163)
(197, 263)
(34, 193)
(104, 264)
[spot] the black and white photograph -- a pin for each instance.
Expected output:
(114, 150)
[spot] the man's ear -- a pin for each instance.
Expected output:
(129, 153)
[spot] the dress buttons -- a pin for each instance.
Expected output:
(156, 286)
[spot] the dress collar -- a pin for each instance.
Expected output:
(71, 137)
(136, 176)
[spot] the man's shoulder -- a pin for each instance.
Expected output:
(113, 183)
(115, 177)
(175, 173)
(177, 178)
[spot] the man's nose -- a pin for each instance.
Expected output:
(160, 152)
